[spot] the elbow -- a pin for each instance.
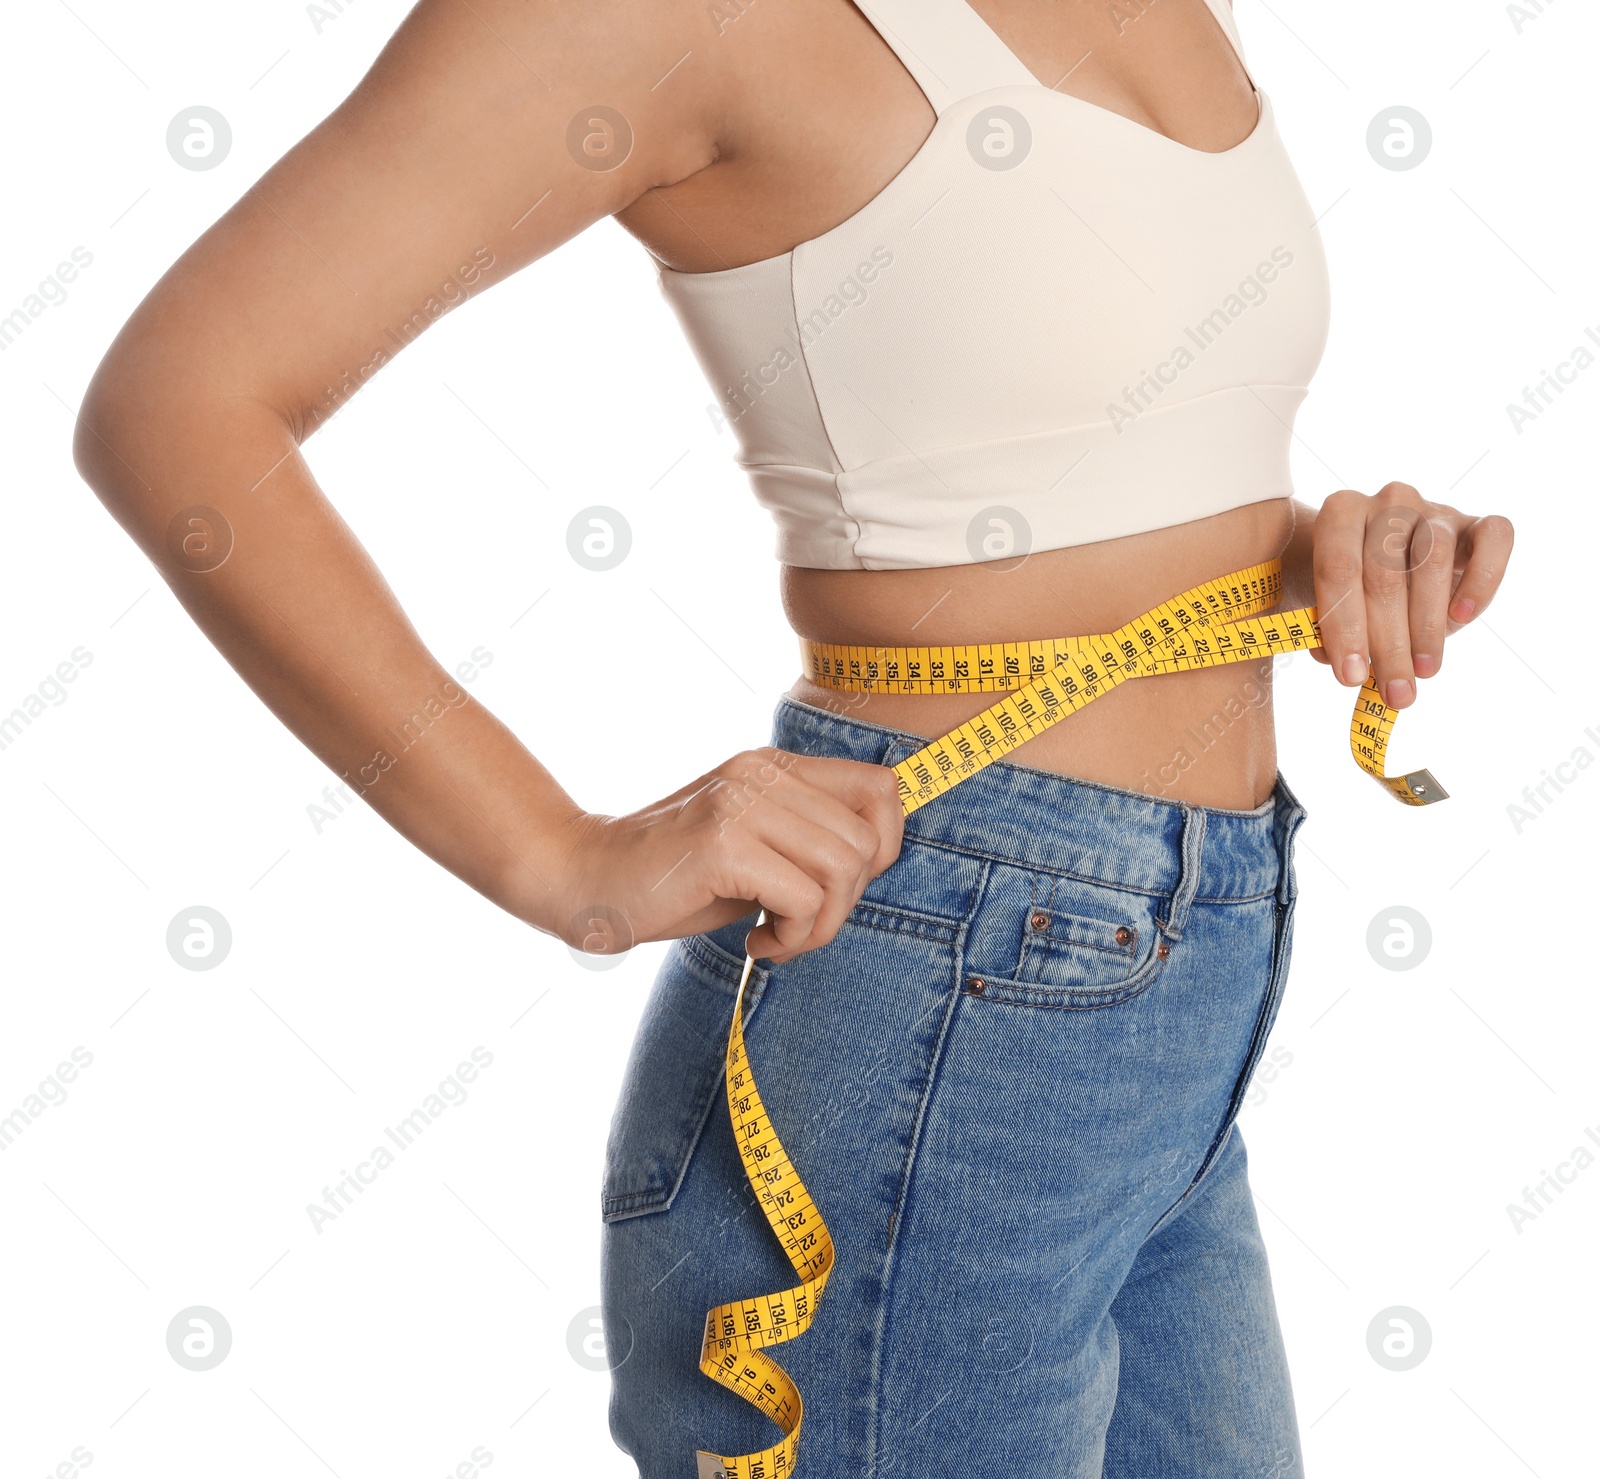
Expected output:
(89, 443)
(127, 424)
(105, 414)
(158, 433)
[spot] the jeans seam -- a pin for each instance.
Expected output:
(1276, 986)
(907, 1170)
(868, 915)
(1014, 991)
(1032, 865)
(1145, 982)
(714, 958)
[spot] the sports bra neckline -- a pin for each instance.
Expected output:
(1053, 326)
(944, 106)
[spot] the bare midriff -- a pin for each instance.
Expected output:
(1204, 737)
(834, 119)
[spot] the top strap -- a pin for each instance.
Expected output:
(949, 49)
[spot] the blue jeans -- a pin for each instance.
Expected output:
(1010, 1085)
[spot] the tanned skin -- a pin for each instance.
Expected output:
(748, 137)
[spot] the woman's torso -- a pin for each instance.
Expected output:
(822, 116)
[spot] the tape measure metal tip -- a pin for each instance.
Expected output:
(1424, 788)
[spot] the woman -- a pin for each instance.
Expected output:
(1010, 307)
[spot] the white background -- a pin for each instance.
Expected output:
(433, 1316)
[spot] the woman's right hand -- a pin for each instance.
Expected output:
(800, 836)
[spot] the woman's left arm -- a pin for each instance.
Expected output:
(1391, 575)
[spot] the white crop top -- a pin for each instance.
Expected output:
(1053, 326)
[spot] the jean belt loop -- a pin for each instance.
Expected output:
(1189, 852)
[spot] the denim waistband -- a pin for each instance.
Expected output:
(1082, 829)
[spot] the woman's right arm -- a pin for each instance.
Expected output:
(460, 138)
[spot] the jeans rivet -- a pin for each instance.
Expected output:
(1039, 920)
(974, 985)
(1163, 950)
(1124, 935)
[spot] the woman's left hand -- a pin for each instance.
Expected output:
(1394, 576)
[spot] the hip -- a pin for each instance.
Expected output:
(1123, 950)
(1017, 1063)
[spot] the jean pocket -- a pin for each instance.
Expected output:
(1053, 942)
(674, 1073)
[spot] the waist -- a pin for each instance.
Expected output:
(1203, 737)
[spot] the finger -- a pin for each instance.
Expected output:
(885, 814)
(827, 809)
(1433, 573)
(769, 948)
(764, 943)
(1393, 517)
(751, 870)
(761, 797)
(872, 792)
(1338, 538)
(855, 802)
(858, 800)
(838, 867)
(1490, 539)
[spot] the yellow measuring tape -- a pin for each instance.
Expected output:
(1214, 623)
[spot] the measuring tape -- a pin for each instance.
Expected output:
(1212, 624)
